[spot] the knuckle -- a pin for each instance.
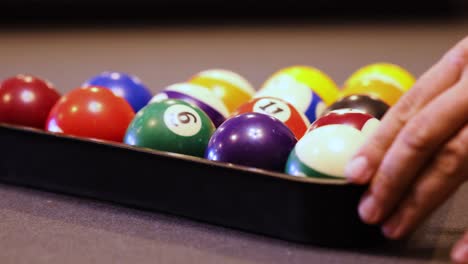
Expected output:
(452, 158)
(387, 181)
(382, 191)
(375, 147)
(404, 108)
(417, 136)
(458, 56)
(425, 190)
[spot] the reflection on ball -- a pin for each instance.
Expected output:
(123, 85)
(386, 72)
(330, 143)
(171, 125)
(388, 93)
(307, 88)
(252, 139)
(198, 96)
(364, 103)
(280, 109)
(232, 88)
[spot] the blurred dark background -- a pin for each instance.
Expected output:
(58, 12)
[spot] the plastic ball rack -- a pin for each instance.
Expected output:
(304, 210)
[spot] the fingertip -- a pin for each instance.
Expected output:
(358, 171)
(368, 210)
(459, 253)
(393, 228)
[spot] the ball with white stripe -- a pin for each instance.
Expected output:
(330, 143)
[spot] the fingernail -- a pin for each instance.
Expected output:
(368, 209)
(392, 228)
(461, 254)
(357, 170)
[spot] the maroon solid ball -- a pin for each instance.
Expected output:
(26, 100)
(365, 103)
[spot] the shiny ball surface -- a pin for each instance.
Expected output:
(198, 96)
(347, 116)
(171, 125)
(252, 139)
(307, 88)
(26, 100)
(91, 112)
(124, 85)
(383, 71)
(330, 143)
(367, 104)
(325, 151)
(280, 109)
(229, 86)
(388, 93)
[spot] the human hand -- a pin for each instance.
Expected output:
(418, 157)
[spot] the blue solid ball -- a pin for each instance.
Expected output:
(123, 85)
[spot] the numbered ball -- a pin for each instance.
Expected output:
(280, 109)
(364, 103)
(325, 151)
(330, 143)
(383, 71)
(252, 139)
(26, 100)
(388, 93)
(232, 88)
(124, 85)
(91, 112)
(307, 88)
(171, 125)
(349, 117)
(198, 96)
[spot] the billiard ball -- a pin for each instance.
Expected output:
(171, 125)
(386, 92)
(124, 85)
(26, 100)
(91, 112)
(198, 96)
(364, 103)
(324, 152)
(349, 117)
(232, 88)
(307, 88)
(252, 139)
(280, 109)
(384, 71)
(330, 143)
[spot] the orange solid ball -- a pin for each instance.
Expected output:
(386, 92)
(230, 87)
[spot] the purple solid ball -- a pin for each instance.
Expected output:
(252, 139)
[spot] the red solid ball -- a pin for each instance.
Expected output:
(91, 112)
(26, 100)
